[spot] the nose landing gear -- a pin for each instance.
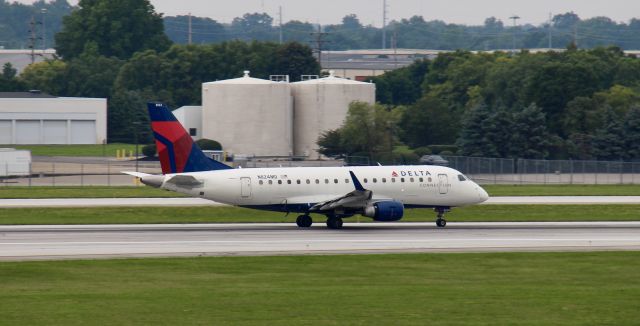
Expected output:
(440, 221)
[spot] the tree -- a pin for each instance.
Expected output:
(47, 76)
(117, 29)
(255, 26)
(330, 143)
(530, 138)
(632, 133)
(8, 80)
(295, 60)
(609, 141)
(429, 122)
(474, 140)
(370, 128)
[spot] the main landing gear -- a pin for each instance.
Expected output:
(440, 221)
(334, 222)
(304, 221)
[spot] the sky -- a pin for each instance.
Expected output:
(470, 12)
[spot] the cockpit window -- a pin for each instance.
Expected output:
(461, 177)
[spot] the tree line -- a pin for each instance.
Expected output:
(574, 104)
(108, 53)
(413, 32)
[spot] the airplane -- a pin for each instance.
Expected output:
(378, 192)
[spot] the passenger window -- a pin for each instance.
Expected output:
(365, 180)
(401, 179)
(308, 181)
(346, 180)
(384, 180)
(411, 179)
(335, 180)
(289, 182)
(260, 182)
(298, 181)
(421, 179)
(270, 182)
(317, 181)
(326, 180)
(429, 179)
(393, 180)
(279, 182)
(375, 180)
(461, 177)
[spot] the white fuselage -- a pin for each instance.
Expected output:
(414, 186)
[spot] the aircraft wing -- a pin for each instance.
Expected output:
(358, 198)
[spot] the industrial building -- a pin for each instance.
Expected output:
(321, 105)
(36, 118)
(249, 116)
(259, 117)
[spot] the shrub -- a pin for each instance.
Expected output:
(446, 153)
(438, 149)
(149, 150)
(208, 145)
(421, 151)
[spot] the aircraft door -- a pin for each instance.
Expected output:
(245, 187)
(443, 182)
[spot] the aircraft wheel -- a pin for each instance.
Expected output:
(334, 223)
(304, 221)
(441, 222)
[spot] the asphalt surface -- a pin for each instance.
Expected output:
(120, 202)
(108, 241)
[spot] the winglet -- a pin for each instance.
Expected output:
(356, 182)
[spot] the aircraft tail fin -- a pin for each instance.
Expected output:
(176, 150)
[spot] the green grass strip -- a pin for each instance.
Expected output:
(85, 192)
(78, 150)
(124, 215)
(130, 191)
(563, 190)
(600, 288)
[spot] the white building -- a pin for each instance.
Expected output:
(191, 118)
(249, 116)
(321, 105)
(34, 118)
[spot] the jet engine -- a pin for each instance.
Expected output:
(384, 211)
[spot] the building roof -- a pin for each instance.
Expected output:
(32, 94)
(243, 80)
(331, 79)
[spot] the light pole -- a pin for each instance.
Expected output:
(44, 30)
(515, 19)
(136, 124)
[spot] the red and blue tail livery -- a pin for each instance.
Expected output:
(176, 150)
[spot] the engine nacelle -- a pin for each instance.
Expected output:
(385, 211)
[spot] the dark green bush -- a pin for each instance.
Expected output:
(149, 150)
(208, 145)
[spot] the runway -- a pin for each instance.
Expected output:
(167, 202)
(107, 241)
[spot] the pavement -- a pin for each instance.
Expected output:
(121, 202)
(108, 241)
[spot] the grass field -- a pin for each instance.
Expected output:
(493, 190)
(77, 150)
(409, 289)
(85, 192)
(562, 190)
(126, 215)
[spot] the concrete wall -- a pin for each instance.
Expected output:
(61, 120)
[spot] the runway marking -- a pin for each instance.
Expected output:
(318, 241)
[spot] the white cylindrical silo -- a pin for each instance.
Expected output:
(321, 105)
(249, 116)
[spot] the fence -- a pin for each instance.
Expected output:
(481, 169)
(524, 171)
(106, 173)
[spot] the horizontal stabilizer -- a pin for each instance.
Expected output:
(136, 174)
